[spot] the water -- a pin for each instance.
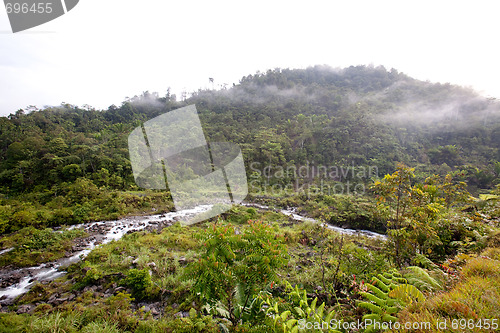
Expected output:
(292, 212)
(114, 230)
(6, 250)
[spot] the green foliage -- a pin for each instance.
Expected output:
(92, 276)
(101, 327)
(138, 280)
(31, 246)
(414, 211)
(55, 322)
(356, 212)
(283, 119)
(235, 263)
(386, 295)
(302, 313)
(11, 323)
(421, 279)
(66, 165)
(406, 294)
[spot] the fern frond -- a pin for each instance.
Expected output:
(372, 307)
(419, 276)
(406, 294)
(380, 284)
(385, 280)
(389, 318)
(379, 293)
(372, 316)
(373, 298)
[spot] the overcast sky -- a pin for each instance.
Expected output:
(105, 50)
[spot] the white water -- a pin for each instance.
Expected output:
(366, 233)
(293, 214)
(6, 250)
(114, 230)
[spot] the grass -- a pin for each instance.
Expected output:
(32, 246)
(475, 297)
(313, 251)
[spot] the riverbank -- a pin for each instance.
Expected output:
(17, 281)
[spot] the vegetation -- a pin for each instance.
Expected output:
(362, 148)
(31, 246)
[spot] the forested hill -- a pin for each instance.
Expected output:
(361, 116)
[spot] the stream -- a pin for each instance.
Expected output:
(20, 280)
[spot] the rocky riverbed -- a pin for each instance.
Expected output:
(17, 281)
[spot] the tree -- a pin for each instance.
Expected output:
(235, 265)
(394, 192)
(413, 211)
(71, 172)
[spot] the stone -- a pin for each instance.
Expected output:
(53, 298)
(119, 289)
(24, 308)
(62, 299)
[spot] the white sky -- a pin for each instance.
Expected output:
(104, 50)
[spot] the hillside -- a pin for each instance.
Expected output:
(358, 115)
(372, 197)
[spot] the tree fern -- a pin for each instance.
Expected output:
(407, 294)
(421, 279)
(386, 294)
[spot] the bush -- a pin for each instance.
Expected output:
(138, 280)
(92, 276)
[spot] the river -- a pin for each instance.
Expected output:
(106, 231)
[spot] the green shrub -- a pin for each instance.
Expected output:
(92, 276)
(138, 280)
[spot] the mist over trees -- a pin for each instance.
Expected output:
(413, 151)
(362, 116)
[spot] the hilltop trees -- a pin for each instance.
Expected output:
(356, 117)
